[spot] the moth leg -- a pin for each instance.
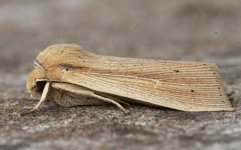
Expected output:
(43, 98)
(114, 98)
(110, 101)
(86, 92)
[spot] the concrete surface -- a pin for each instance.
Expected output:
(205, 30)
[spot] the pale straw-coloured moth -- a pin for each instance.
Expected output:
(72, 76)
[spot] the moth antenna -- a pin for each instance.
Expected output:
(111, 101)
(43, 98)
(38, 65)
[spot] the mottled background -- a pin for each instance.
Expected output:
(197, 30)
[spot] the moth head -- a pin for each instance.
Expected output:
(35, 83)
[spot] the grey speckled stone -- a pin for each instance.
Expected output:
(177, 30)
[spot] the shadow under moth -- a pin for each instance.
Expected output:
(72, 76)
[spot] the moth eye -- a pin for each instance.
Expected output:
(40, 86)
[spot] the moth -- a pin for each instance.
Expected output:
(72, 76)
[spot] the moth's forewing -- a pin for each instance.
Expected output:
(187, 86)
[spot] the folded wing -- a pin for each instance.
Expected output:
(187, 86)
